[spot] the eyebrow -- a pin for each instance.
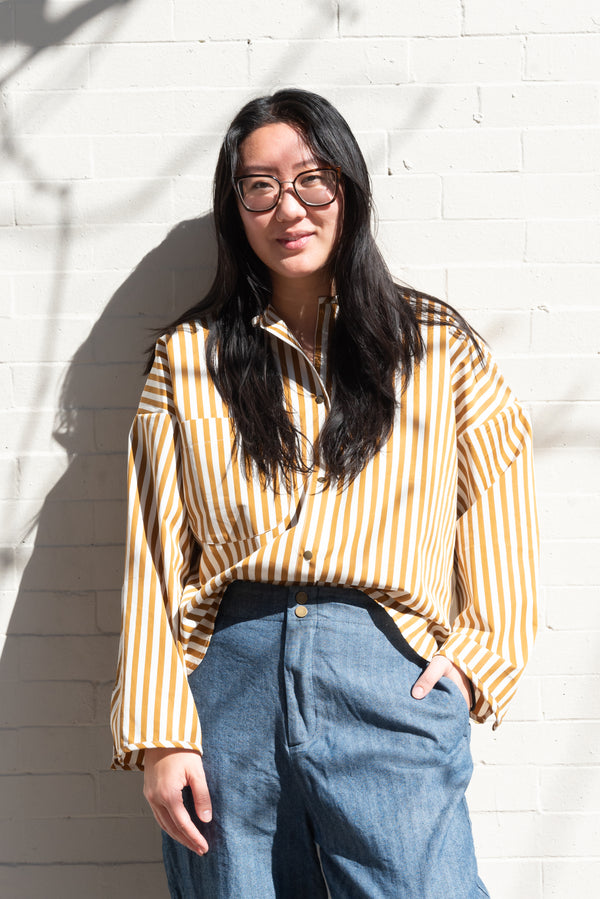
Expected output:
(303, 165)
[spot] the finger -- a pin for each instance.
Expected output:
(186, 831)
(192, 840)
(436, 669)
(202, 802)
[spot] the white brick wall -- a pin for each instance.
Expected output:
(481, 125)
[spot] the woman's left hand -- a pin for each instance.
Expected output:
(442, 667)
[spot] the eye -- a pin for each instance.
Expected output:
(258, 185)
(312, 179)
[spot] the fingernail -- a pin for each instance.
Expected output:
(206, 815)
(418, 692)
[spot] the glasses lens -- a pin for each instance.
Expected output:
(258, 192)
(316, 188)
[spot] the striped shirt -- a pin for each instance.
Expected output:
(439, 527)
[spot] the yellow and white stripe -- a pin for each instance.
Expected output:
(446, 509)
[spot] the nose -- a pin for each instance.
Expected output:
(289, 207)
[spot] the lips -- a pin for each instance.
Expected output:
(294, 241)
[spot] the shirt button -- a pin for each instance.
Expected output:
(307, 555)
(302, 597)
(301, 611)
(321, 480)
(319, 399)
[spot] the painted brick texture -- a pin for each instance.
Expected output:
(481, 126)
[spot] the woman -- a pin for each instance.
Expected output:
(321, 461)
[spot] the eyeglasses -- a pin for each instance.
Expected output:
(316, 187)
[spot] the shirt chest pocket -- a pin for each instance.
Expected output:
(224, 505)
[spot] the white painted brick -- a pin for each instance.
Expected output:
(570, 789)
(433, 106)
(144, 156)
(45, 749)
(182, 65)
(387, 61)
(567, 470)
(508, 878)
(517, 195)
(128, 112)
(331, 62)
(90, 658)
(431, 280)
(519, 16)
(74, 568)
(508, 833)
(16, 518)
(574, 562)
(47, 796)
(505, 332)
(40, 703)
(447, 150)
(567, 877)
(554, 377)
(561, 149)
(407, 197)
(558, 331)
(562, 57)
(98, 202)
(97, 383)
(452, 241)
(123, 21)
(524, 286)
(10, 750)
(557, 424)
(191, 196)
(53, 613)
(380, 17)
(572, 697)
(9, 475)
(504, 788)
(43, 339)
(527, 704)
(538, 743)
(374, 146)
(230, 21)
(568, 607)
(111, 429)
(467, 59)
(120, 793)
(567, 516)
(563, 241)
(39, 472)
(148, 880)
(79, 840)
(7, 204)
(516, 833)
(573, 834)
(529, 104)
(42, 248)
(108, 611)
(57, 67)
(46, 159)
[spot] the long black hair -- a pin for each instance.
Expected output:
(377, 336)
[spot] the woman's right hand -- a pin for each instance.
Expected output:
(166, 773)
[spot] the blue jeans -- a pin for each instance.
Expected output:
(327, 778)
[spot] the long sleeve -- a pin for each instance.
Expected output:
(152, 705)
(496, 547)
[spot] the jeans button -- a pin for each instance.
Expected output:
(301, 611)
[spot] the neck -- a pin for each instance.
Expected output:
(298, 305)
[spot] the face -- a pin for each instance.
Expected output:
(294, 241)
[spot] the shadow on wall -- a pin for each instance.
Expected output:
(58, 663)
(34, 28)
